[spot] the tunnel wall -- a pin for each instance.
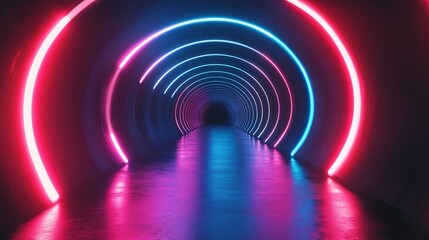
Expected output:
(389, 41)
(389, 161)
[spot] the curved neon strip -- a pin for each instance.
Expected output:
(253, 132)
(357, 99)
(218, 95)
(196, 101)
(210, 41)
(229, 79)
(118, 148)
(205, 105)
(191, 97)
(107, 105)
(194, 91)
(250, 109)
(248, 74)
(207, 55)
(264, 32)
(263, 73)
(191, 92)
(28, 99)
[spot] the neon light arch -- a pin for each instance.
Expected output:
(159, 60)
(238, 77)
(357, 99)
(246, 100)
(224, 83)
(27, 113)
(232, 80)
(247, 74)
(38, 60)
(199, 94)
(215, 92)
(201, 88)
(258, 29)
(196, 97)
(239, 69)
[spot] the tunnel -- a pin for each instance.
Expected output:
(281, 119)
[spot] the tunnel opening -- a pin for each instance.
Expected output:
(216, 114)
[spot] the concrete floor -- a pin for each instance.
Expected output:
(217, 183)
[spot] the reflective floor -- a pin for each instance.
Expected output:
(216, 183)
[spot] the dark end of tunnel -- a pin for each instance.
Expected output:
(216, 114)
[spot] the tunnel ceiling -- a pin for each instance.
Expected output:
(117, 80)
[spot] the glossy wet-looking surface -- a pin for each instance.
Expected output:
(216, 183)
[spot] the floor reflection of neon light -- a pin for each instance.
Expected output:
(357, 101)
(28, 99)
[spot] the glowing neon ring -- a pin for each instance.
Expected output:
(225, 78)
(227, 83)
(216, 91)
(357, 99)
(196, 87)
(27, 114)
(197, 97)
(262, 31)
(243, 71)
(234, 75)
(246, 73)
(228, 92)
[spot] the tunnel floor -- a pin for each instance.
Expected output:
(217, 183)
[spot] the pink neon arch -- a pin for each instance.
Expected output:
(181, 108)
(357, 99)
(53, 34)
(200, 104)
(27, 110)
(192, 101)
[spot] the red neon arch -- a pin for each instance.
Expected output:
(357, 99)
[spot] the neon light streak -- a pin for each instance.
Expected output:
(107, 106)
(357, 100)
(261, 71)
(253, 132)
(227, 83)
(262, 31)
(215, 92)
(210, 41)
(28, 100)
(219, 83)
(199, 99)
(190, 94)
(118, 148)
(208, 55)
(219, 95)
(248, 74)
